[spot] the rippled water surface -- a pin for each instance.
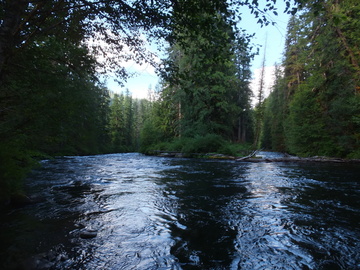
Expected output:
(129, 211)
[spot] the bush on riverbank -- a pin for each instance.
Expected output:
(15, 163)
(210, 143)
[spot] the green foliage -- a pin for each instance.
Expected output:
(314, 106)
(51, 104)
(158, 125)
(150, 136)
(207, 79)
(178, 144)
(306, 132)
(117, 124)
(61, 111)
(131, 124)
(275, 113)
(243, 125)
(210, 143)
(15, 162)
(204, 144)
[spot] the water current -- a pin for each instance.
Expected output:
(129, 211)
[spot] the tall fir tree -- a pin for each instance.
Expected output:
(203, 82)
(243, 129)
(321, 78)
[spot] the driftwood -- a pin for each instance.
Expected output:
(247, 157)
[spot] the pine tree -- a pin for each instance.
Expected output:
(320, 85)
(259, 109)
(202, 82)
(276, 109)
(243, 130)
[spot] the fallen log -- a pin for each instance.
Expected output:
(247, 157)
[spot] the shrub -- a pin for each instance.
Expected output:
(204, 144)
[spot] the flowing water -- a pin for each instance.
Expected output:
(129, 211)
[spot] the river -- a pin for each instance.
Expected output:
(130, 211)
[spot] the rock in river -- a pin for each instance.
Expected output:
(88, 233)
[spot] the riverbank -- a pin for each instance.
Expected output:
(255, 157)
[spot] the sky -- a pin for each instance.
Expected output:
(272, 36)
(272, 41)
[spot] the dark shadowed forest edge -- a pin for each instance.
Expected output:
(53, 55)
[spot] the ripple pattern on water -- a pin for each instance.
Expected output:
(160, 213)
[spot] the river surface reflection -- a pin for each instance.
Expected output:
(145, 212)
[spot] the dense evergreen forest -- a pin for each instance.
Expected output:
(314, 107)
(53, 54)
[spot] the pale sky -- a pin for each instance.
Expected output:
(275, 36)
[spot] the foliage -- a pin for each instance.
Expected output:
(206, 83)
(243, 127)
(204, 144)
(210, 143)
(130, 123)
(14, 165)
(150, 135)
(106, 26)
(319, 97)
(306, 131)
(51, 102)
(275, 113)
(60, 110)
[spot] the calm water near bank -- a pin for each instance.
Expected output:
(129, 211)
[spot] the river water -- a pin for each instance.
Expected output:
(129, 211)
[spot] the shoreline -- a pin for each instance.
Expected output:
(252, 157)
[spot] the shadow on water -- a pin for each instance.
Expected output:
(203, 237)
(128, 211)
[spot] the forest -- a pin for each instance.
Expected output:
(53, 102)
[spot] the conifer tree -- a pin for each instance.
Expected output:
(259, 110)
(202, 81)
(320, 85)
(243, 131)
